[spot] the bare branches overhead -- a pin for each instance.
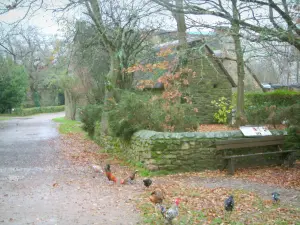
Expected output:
(269, 18)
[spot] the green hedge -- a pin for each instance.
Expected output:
(278, 98)
(37, 110)
(273, 107)
(89, 115)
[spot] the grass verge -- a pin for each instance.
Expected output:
(68, 126)
(4, 118)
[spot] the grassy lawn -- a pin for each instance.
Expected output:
(68, 126)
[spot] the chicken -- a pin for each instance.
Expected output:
(171, 213)
(132, 176)
(130, 179)
(229, 203)
(147, 182)
(97, 168)
(157, 196)
(107, 168)
(109, 175)
(163, 210)
(275, 197)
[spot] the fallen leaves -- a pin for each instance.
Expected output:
(222, 127)
(79, 150)
(276, 175)
(201, 205)
(279, 176)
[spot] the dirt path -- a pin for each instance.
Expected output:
(39, 186)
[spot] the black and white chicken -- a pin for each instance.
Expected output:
(171, 213)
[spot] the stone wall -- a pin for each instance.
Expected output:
(188, 151)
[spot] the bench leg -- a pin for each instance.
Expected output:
(225, 164)
(230, 166)
(290, 159)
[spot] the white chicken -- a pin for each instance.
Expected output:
(96, 168)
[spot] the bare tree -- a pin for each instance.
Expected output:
(122, 28)
(25, 8)
(267, 19)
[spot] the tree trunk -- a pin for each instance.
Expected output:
(181, 33)
(240, 115)
(181, 26)
(297, 72)
(111, 82)
(70, 105)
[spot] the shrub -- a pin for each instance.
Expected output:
(139, 111)
(224, 108)
(89, 115)
(36, 110)
(129, 115)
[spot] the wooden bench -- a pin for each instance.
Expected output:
(239, 144)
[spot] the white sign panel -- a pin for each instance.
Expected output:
(250, 131)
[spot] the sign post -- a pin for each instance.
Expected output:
(254, 131)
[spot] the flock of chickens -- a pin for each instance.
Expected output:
(158, 195)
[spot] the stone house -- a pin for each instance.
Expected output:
(212, 79)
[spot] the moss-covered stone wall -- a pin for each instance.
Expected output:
(189, 151)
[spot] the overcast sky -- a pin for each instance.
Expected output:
(47, 21)
(44, 19)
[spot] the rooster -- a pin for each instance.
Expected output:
(147, 182)
(109, 175)
(129, 179)
(107, 168)
(171, 213)
(275, 197)
(229, 203)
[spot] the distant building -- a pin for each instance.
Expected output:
(212, 81)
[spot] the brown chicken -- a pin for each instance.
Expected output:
(157, 196)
